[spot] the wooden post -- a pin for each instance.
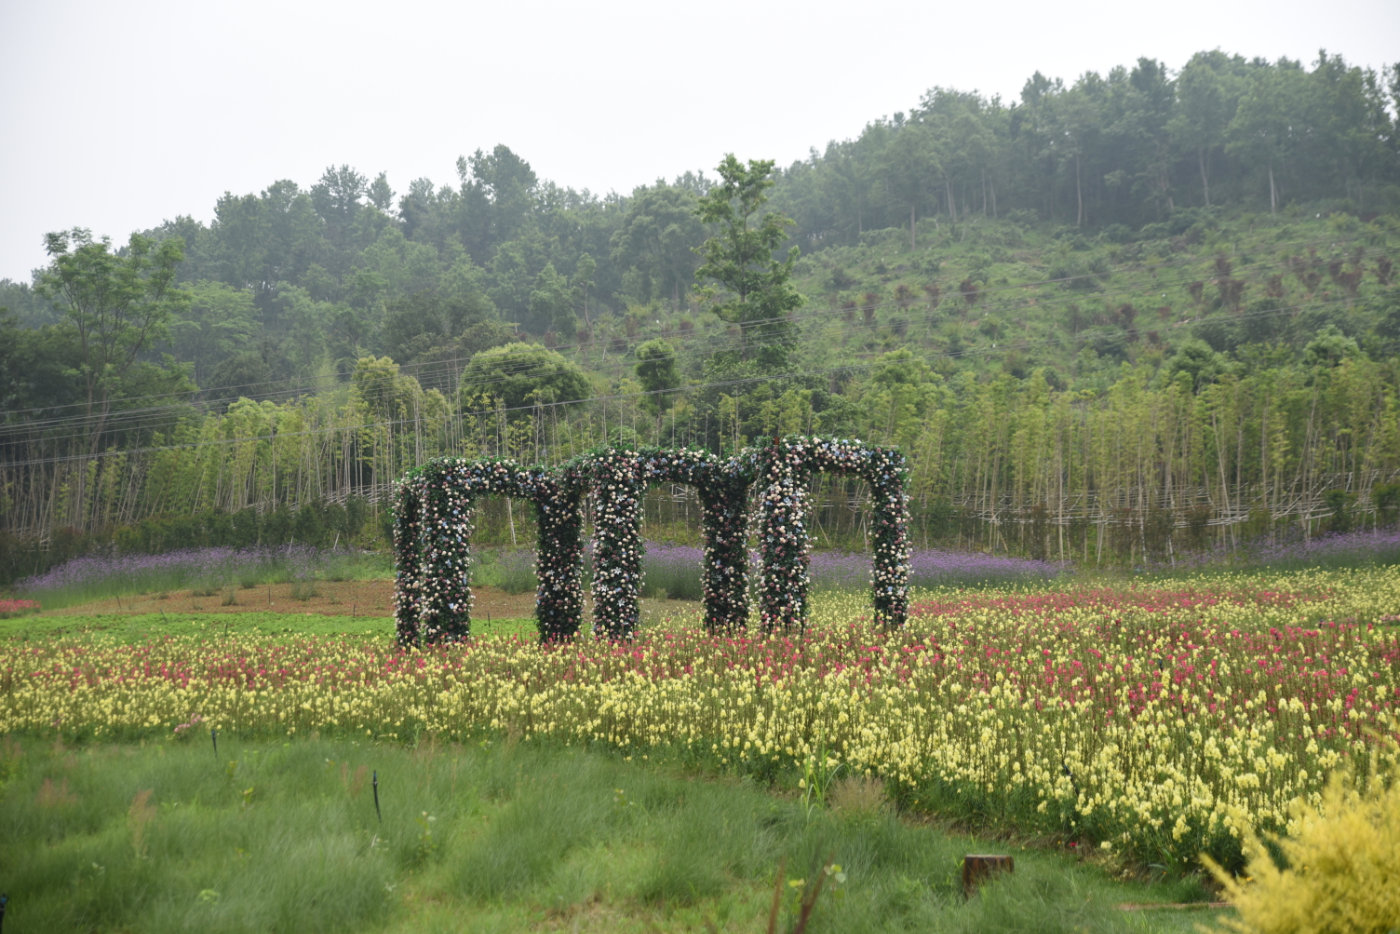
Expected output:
(977, 869)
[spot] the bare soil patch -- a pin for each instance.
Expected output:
(330, 598)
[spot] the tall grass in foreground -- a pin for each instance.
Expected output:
(169, 836)
(89, 578)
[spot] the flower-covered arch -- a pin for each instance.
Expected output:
(618, 480)
(432, 529)
(433, 513)
(786, 469)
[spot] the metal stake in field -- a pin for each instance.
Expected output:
(214, 738)
(374, 783)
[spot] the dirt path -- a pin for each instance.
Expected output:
(332, 598)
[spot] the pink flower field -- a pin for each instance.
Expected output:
(11, 607)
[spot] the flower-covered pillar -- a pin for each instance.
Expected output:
(442, 600)
(433, 523)
(786, 548)
(558, 553)
(724, 493)
(619, 479)
(432, 534)
(787, 467)
(887, 476)
(723, 488)
(617, 542)
(409, 571)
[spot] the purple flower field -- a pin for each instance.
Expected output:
(673, 568)
(932, 567)
(1375, 546)
(96, 575)
(1349, 547)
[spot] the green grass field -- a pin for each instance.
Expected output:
(146, 626)
(172, 835)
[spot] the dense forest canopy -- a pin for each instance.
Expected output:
(1141, 312)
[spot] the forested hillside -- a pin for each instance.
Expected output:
(1148, 313)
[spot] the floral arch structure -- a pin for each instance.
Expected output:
(433, 523)
(433, 512)
(786, 469)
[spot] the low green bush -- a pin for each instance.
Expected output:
(1335, 874)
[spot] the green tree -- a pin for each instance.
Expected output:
(658, 239)
(908, 163)
(118, 307)
(656, 371)
(551, 307)
(521, 375)
(750, 288)
(1077, 115)
(1266, 126)
(379, 192)
(336, 198)
(219, 322)
(1207, 92)
(497, 197)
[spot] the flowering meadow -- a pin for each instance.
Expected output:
(95, 576)
(1154, 720)
(11, 607)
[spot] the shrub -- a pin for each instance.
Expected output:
(1335, 874)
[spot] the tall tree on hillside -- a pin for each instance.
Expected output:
(1077, 128)
(1034, 131)
(499, 189)
(1267, 124)
(1142, 126)
(909, 162)
(751, 287)
(379, 193)
(426, 212)
(262, 240)
(218, 322)
(118, 307)
(658, 239)
(960, 143)
(1207, 93)
(851, 181)
(1345, 110)
(336, 198)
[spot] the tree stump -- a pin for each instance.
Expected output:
(980, 868)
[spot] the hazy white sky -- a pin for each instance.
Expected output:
(116, 116)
